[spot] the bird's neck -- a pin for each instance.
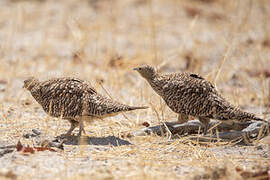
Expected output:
(157, 84)
(35, 92)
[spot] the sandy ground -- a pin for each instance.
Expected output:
(227, 42)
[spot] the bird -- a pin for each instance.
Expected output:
(75, 100)
(189, 94)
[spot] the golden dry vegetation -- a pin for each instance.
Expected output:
(100, 41)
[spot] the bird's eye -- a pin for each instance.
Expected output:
(140, 68)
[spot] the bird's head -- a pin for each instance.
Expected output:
(30, 83)
(146, 71)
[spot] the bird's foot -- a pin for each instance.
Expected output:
(205, 130)
(80, 132)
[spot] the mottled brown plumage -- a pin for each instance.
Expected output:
(191, 95)
(73, 99)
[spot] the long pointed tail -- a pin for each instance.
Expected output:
(245, 116)
(130, 108)
(123, 108)
(259, 119)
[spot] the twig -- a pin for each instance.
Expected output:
(245, 132)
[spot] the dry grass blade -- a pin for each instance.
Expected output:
(221, 63)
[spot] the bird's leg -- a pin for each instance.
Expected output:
(205, 121)
(182, 118)
(73, 125)
(81, 127)
(83, 117)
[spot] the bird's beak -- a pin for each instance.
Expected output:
(135, 69)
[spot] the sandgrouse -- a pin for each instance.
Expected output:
(74, 100)
(191, 95)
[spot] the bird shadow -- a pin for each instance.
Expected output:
(100, 141)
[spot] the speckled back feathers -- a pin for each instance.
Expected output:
(72, 98)
(191, 94)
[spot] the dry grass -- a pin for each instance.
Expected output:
(100, 41)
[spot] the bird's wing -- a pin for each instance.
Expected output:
(193, 95)
(64, 96)
(190, 94)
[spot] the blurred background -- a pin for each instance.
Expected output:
(227, 42)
